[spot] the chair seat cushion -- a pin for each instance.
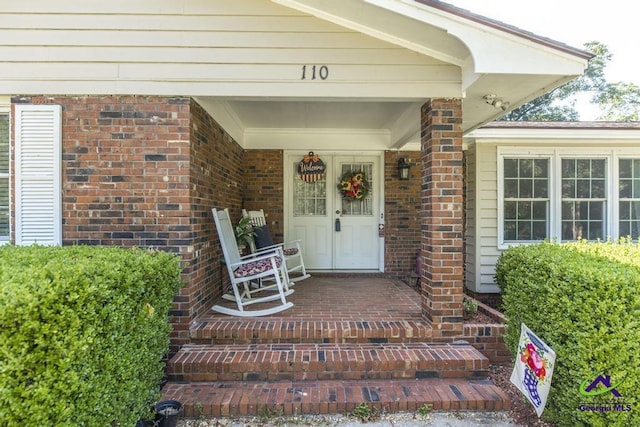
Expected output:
(290, 251)
(255, 267)
(262, 237)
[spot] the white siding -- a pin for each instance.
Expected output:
(225, 48)
(487, 212)
(470, 219)
(483, 219)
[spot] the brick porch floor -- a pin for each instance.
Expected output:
(347, 340)
(328, 309)
(329, 297)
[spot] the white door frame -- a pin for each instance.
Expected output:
(288, 189)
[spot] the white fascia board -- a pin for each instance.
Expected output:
(469, 76)
(499, 135)
(493, 50)
(508, 54)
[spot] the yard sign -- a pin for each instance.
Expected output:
(533, 368)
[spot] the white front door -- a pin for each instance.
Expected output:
(337, 232)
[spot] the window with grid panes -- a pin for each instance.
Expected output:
(584, 199)
(629, 198)
(309, 198)
(526, 199)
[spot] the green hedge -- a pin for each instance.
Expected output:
(583, 299)
(83, 332)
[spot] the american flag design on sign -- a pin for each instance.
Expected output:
(311, 168)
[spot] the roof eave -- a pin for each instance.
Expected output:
(464, 13)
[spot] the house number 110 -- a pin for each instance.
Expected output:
(315, 71)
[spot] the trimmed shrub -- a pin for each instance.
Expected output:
(582, 299)
(83, 331)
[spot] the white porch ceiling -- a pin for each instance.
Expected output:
(320, 114)
(260, 123)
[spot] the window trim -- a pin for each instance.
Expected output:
(616, 208)
(608, 176)
(520, 154)
(611, 157)
(501, 190)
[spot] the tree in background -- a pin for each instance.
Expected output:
(618, 101)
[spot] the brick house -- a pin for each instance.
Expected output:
(125, 122)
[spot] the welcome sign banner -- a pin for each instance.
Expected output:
(533, 368)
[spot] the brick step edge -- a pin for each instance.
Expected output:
(297, 362)
(216, 399)
(230, 331)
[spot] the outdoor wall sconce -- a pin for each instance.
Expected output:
(496, 102)
(403, 169)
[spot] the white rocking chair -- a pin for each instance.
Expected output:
(245, 270)
(263, 241)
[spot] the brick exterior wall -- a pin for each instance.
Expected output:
(264, 187)
(125, 170)
(125, 176)
(442, 226)
(146, 171)
(216, 181)
(402, 214)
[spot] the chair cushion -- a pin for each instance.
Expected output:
(263, 237)
(290, 251)
(255, 267)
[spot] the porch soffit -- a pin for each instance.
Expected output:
(494, 58)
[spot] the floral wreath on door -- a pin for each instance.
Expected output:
(354, 186)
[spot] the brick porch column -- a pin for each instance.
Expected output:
(442, 217)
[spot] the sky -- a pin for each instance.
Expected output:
(613, 23)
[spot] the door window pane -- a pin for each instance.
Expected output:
(309, 198)
(364, 206)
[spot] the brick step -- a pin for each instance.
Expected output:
(300, 362)
(235, 399)
(260, 331)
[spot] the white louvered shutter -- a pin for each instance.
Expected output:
(38, 174)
